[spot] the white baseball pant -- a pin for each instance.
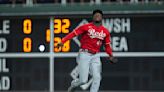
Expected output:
(88, 62)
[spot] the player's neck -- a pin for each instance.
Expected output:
(97, 23)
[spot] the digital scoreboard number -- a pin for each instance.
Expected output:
(61, 26)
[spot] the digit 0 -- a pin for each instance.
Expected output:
(27, 44)
(27, 26)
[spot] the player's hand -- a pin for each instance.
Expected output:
(59, 45)
(113, 60)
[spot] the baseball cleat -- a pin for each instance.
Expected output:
(84, 87)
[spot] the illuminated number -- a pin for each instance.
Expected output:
(27, 44)
(48, 35)
(61, 26)
(57, 26)
(66, 46)
(65, 25)
(27, 25)
(56, 41)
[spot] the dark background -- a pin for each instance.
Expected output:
(130, 73)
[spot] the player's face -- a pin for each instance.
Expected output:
(97, 17)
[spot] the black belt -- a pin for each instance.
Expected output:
(89, 51)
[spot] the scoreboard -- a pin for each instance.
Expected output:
(26, 34)
(23, 34)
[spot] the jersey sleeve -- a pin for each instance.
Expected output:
(79, 30)
(108, 48)
(74, 33)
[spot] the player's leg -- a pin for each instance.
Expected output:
(96, 72)
(83, 66)
(83, 61)
(87, 85)
(75, 75)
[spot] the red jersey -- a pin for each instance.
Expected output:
(92, 37)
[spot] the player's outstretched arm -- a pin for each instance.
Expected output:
(108, 50)
(67, 37)
(74, 33)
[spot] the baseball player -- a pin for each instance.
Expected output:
(93, 35)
